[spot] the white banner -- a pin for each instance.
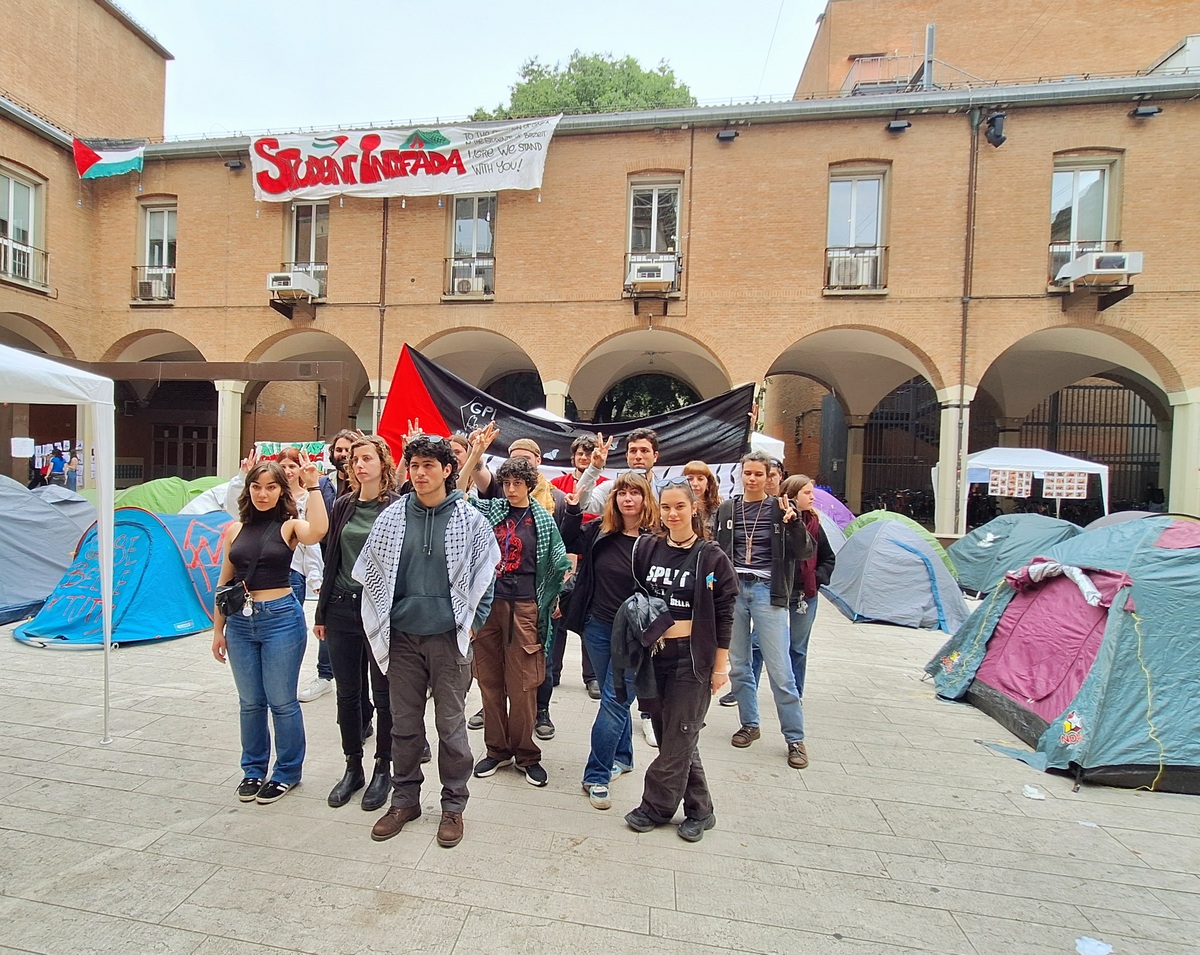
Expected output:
(430, 161)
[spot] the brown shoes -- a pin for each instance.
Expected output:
(450, 830)
(797, 755)
(393, 821)
(745, 736)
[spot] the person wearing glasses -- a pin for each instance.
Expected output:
(696, 581)
(764, 537)
(604, 580)
(428, 573)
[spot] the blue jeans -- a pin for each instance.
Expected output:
(753, 608)
(801, 629)
(265, 651)
(612, 733)
(300, 589)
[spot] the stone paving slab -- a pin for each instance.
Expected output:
(905, 835)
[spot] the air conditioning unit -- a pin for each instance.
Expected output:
(652, 274)
(152, 290)
(293, 285)
(853, 271)
(1100, 268)
(469, 286)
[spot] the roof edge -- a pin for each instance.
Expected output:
(142, 33)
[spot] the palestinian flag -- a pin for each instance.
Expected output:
(97, 158)
(716, 430)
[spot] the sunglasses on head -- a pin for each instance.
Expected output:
(679, 481)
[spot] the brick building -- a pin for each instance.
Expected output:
(842, 244)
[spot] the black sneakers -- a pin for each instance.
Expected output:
(543, 728)
(692, 830)
(476, 721)
(248, 788)
(534, 774)
(488, 766)
(273, 792)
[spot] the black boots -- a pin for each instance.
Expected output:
(351, 783)
(381, 786)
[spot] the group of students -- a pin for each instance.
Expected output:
(439, 571)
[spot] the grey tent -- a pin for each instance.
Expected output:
(1007, 543)
(71, 504)
(37, 543)
(834, 534)
(887, 573)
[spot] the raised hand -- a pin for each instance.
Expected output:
(249, 461)
(600, 454)
(785, 505)
(309, 474)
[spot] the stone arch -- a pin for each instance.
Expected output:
(153, 344)
(309, 344)
(480, 356)
(18, 330)
(646, 351)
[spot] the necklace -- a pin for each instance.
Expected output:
(681, 544)
(749, 534)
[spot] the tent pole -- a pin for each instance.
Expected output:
(104, 428)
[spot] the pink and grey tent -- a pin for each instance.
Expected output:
(826, 503)
(1091, 655)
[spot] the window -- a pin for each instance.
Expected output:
(310, 241)
(471, 268)
(1080, 211)
(653, 262)
(20, 259)
(155, 276)
(855, 253)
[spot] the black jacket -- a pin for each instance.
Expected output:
(790, 542)
(583, 540)
(339, 517)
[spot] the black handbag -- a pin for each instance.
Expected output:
(231, 598)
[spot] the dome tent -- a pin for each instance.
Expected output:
(882, 515)
(984, 556)
(37, 542)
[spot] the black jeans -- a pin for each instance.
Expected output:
(677, 775)
(554, 670)
(352, 660)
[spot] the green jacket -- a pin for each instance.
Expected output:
(551, 563)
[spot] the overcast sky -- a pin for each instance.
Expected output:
(250, 65)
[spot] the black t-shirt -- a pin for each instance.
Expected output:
(612, 576)
(752, 522)
(515, 574)
(672, 576)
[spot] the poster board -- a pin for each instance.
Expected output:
(1005, 483)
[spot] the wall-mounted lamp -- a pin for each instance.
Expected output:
(726, 135)
(898, 125)
(994, 133)
(1145, 112)
(234, 165)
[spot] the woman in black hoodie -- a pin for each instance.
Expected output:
(698, 584)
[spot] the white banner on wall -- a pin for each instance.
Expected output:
(426, 161)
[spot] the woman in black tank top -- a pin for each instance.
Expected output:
(264, 645)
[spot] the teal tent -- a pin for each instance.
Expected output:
(1009, 542)
(1091, 655)
(863, 520)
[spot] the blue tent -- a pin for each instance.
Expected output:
(165, 569)
(1010, 541)
(1098, 671)
(887, 573)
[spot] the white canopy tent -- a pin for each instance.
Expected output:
(981, 464)
(29, 378)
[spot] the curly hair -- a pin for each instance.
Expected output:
(518, 469)
(712, 498)
(611, 520)
(285, 507)
(438, 448)
(387, 467)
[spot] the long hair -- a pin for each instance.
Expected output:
(712, 497)
(285, 507)
(792, 485)
(611, 521)
(699, 525)
(387, 469)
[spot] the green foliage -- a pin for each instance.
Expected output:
(593, 83)
(642, 396)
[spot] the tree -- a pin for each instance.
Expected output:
(595, 83)
(641, 396)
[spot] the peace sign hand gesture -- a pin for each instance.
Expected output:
(310, 476)
(785, 505)
(600, 454)
(250, 460)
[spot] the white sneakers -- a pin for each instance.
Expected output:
(648, 732)
(318, 687)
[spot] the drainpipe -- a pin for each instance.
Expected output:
(376, 410)
(975, 119)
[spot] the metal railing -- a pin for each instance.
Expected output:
(859, 267)
(24, 263)
(318, 270)
(1063, 252)
(470, 276)
(653, 271)
(153, 283)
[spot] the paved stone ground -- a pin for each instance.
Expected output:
(904, 835)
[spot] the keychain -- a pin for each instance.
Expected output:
(802, 607)
(248, 608)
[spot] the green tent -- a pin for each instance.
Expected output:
(165, 495)
(1007, 543)
(871, 516)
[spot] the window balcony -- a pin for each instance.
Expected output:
(470, 277)
(153, 284)
(1063, 252)
(856, 270)
(318, 270)
(24, 263)
(654, 272)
